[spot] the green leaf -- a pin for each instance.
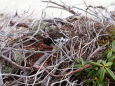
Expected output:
(88, 81)
(109, 64)
(113, 45)
(77, 66)
(99, 61)
(82, 61)
(109, 54)
(102, 74)
(111, 74)
(112, 58)
(99, 84)
(95, 63)
(90, 73)
(103, 62)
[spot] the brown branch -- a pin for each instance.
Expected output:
(78, 70)
(67, 74)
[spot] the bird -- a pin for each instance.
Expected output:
(54, 37)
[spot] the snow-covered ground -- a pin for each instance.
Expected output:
(36, 6)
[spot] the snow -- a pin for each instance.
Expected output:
(36, 6)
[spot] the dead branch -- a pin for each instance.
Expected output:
(67, 74)
(67, 8)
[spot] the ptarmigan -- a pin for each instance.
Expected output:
(55, 37)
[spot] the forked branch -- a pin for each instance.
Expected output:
(59, 6)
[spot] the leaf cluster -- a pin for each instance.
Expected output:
(101, 70)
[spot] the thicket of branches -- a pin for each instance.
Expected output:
(42, 52)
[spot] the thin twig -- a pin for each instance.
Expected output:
(67, 8)
(67, 74)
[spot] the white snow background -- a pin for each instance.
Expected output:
(36, 6)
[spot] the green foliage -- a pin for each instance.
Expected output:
(111, 30)
(101, 69)
(108, 38)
